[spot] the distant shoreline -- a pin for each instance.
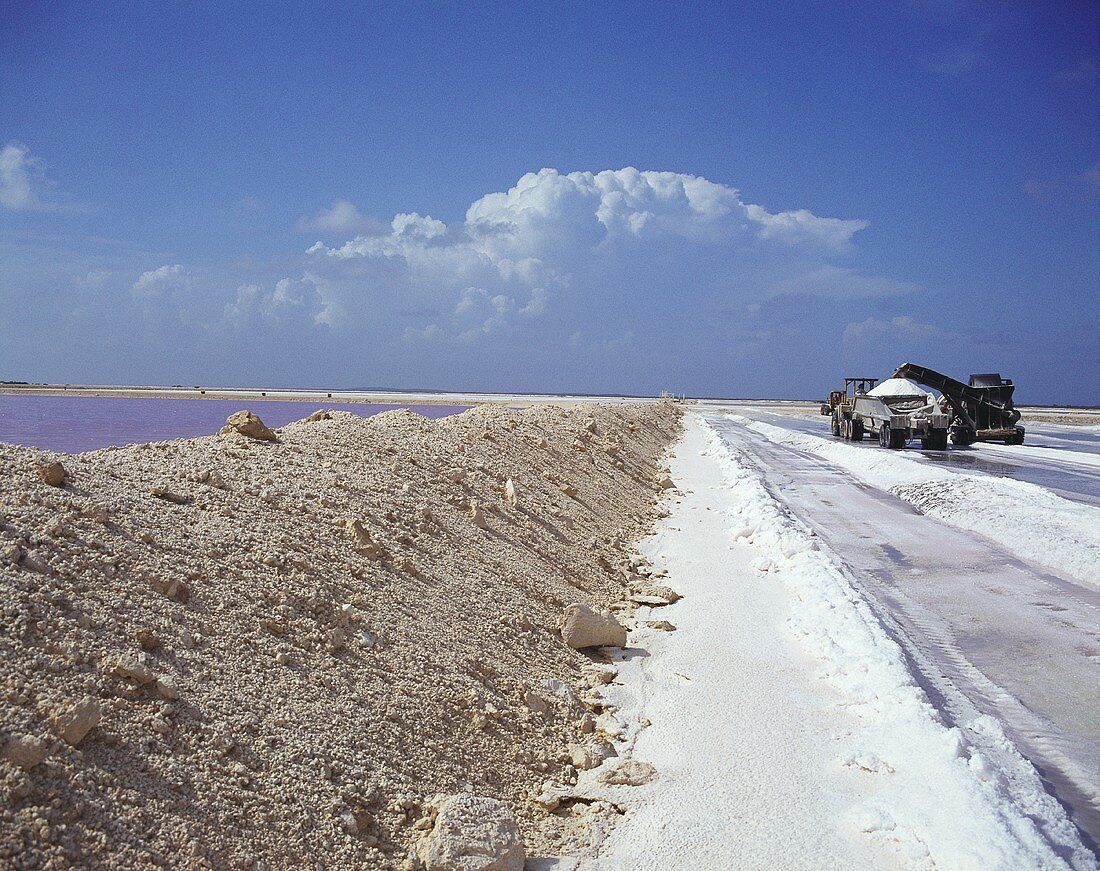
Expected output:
(1072, 414)
(420, 397)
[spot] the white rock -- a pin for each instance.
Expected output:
(586, 756)
(473, 833)
(586, 627)
(629, 772)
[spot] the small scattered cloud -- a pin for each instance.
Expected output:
(1081, 187)
(904, 329)
(1085, 70)
(842, 282)
(291, 301)
(1041, 190)
(1091, 177)
(160, 282)
(22, 177)
(94, 278)
(955, 60)
(341, 218)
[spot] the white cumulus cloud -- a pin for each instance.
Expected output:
(160, 282)
(555, 245)
(290, 302)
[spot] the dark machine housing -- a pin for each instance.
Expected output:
(981, 410)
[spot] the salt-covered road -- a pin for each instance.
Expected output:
(792, 722)
(743, 734)
(1063, 459)
(983, 630)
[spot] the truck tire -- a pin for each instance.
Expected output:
(836, 426)
(963, 436)
(1017, 439)
(884, 436)
(897, 439)
(938, 440)
(857, 430)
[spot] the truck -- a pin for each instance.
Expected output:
(894, 412)
(981, 410)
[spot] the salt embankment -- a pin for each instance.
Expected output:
(240, 652)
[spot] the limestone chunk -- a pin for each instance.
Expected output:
(53, 474)
(586, 756)
(586, 627)
(598, 674)
(473, 833)
(166, 688)
(629, 772)
(248, 424)
(75, 721)
(362, 537)
(477, 515)
(26, 751)
(212, 478)
(510, 493)
(169, 495)
(651, 601)
(132, 668)
(666, 593)
(11, 553)
(536, 703)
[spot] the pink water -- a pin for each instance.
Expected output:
(71, 424)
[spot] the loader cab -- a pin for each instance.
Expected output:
(842, 402)
(835, 396)
(853, 387)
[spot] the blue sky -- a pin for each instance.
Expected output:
(825, 188)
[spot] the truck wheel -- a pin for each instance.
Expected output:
(1017, 439)
(897, 439)
(857, 430)
(836, 426)
(884, 436)
(963, 436)
(939, 440)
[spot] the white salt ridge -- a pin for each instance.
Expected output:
(1026, 519)
(940, 803)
